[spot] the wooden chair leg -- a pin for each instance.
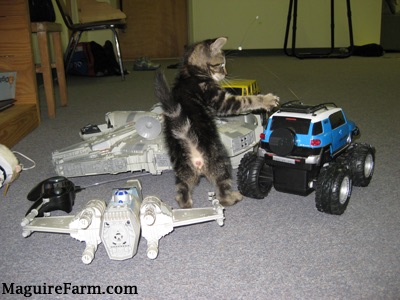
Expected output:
(59, 61)
(46, 72)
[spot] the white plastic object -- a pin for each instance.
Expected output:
(121, 225)
(9, 166)
(118, 225)
(85, 226)
(148, 127)
(133, 141)
(33, 213)
(158, 219)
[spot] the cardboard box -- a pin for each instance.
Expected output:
(7, 85)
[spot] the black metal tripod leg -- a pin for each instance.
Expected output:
(289, 17)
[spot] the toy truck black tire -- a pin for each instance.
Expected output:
(254, 177)
(282, 141)
(360, 158)
(333, 189)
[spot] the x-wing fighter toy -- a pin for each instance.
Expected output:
(118, 224)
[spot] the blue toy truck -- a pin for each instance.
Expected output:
(305, 148)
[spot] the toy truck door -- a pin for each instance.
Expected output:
(340, 131)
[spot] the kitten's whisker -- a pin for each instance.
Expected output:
(230, 77)
(226, 82)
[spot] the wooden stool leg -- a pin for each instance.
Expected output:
(59, 61)
(46, 72)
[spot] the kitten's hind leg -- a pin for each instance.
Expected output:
(225, 195)
(183, 196)
(184, 190)
(220, 175)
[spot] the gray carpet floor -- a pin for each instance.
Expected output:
(280, 247)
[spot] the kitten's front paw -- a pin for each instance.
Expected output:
(270, 101)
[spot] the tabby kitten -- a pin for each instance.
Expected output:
(190, 131)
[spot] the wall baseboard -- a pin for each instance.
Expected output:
(267, 52)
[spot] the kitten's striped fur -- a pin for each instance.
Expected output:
(190, 131)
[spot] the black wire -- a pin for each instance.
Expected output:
(115, 180)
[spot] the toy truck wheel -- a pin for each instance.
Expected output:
(333, 189)
(362, 163)
(254, 177)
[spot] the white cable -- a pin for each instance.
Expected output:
(27, 158)
(277, 77)
(240, 48)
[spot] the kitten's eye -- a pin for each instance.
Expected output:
(217, 66)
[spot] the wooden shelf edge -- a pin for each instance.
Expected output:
(16, 122)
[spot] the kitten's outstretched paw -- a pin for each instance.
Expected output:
(270, 101)
(184, 204)
(231, 199)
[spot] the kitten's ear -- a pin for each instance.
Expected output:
(217, 45)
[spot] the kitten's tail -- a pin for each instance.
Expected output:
(163, 94)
